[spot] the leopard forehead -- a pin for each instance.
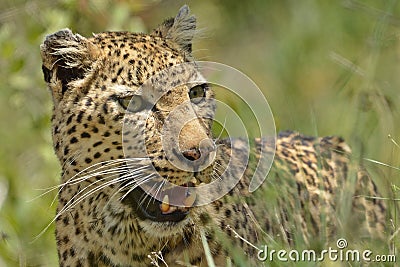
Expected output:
(130, 64)
(130, 59)
(118, 57)
(119, 61)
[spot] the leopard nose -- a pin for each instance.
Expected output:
(192, 154)
(205, 148)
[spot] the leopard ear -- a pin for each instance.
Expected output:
(180, 29)
(66, 57)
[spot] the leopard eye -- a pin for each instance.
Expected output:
(197, 93)
(132, 103)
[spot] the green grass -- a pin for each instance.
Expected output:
(326, 68)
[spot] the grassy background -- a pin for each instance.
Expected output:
(326, 68)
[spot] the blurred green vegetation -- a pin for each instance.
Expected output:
(326, 68)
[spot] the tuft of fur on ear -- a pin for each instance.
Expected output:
(180, 29)
(66, 57)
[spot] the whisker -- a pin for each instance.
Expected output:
(218, 169)
(162, 183)
(77, 181)
(142, 201)
(75, 200)
(48, 190)
(70, 159)
(71, 204)
(115, 178)
(136, 184)
(134, 181)
(77, 178)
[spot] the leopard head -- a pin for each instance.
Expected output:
(132, 120)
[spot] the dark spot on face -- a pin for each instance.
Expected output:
(85, 135)
(120, 71)
(79, 117)
(66, 150)
(97, 143)
(89, 102)
(71, 130)
(66, 220)
(105, 108)
(77, 231)
(228, 213)
(69, 120)
(65, 255)
(101, 120)
(72, 252)
(65, 239)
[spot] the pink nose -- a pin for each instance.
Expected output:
(192, 154)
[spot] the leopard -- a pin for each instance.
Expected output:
(112, 95)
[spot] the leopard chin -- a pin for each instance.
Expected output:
(150, 208)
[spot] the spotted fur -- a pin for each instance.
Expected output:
(100, 223)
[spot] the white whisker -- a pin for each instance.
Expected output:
(77, 178)
(142, 201)
(136, 184)
(158, 190)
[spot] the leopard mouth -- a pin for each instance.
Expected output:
(148, 207)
